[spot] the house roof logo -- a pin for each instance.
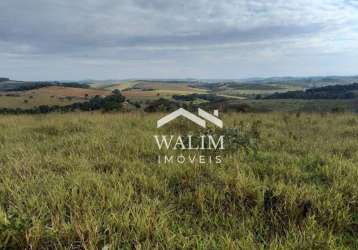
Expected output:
(200, 120)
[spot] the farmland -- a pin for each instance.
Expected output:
(142, 89)
(91, 180)
(245, 90)
(259, 97)
(54, 95)
(63, 95)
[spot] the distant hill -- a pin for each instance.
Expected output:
(307, 82)
(10, 85)
(327, 92)
(314, 81)
(3, 79)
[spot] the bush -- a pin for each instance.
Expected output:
(238, 139)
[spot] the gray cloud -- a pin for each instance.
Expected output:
(94, 33)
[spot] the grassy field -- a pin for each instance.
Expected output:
(120, 85)
(295, 105)
(137, 90)
(249, 90)
(91, 180)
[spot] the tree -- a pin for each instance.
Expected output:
(44, 109)
(116, 92)
(113, 102)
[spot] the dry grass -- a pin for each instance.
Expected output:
(60, 91)
(85, 181)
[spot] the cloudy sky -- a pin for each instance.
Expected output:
(118, 39)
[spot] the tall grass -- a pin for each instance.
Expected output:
(88, 181)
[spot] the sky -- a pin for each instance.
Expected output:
(121, 39)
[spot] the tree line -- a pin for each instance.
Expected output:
(327, 92)
(38, 85)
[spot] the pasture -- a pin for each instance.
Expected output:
(91, 180)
